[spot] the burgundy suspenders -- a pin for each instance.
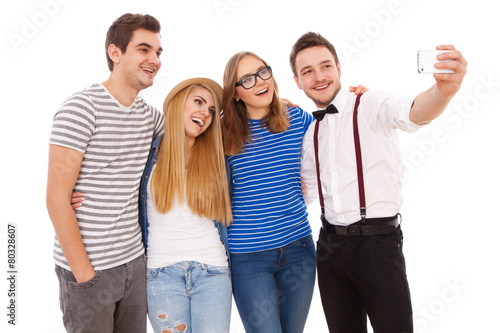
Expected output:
(359, 164)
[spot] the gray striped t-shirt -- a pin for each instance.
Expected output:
(115, 141)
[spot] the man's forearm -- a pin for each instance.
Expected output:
(428, 105)
(69, 237)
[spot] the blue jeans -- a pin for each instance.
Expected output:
(189, 297)
(273, 288)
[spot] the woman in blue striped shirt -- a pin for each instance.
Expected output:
(272, 250)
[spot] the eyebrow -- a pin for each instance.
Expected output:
(148, 46)
(211, 107)
(258, 70)
(204, 100)
(303, 68)
(309, 66)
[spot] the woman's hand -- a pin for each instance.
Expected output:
(76, 200)
(360, 89)
(289, 104)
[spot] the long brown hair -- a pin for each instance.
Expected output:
(206, 186)
(234, 121)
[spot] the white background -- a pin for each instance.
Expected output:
(52, 48)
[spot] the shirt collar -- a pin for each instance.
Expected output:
(340, 100)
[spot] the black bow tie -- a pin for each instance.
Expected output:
(320, 114)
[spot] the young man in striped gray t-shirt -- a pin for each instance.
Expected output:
(99, 145)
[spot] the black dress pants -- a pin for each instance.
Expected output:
(360, 276)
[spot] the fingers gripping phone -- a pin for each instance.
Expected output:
(426, 60)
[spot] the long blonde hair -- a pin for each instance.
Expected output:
(207, 191)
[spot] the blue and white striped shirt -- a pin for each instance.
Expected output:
(268, 205)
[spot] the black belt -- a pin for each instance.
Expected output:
(371, 227)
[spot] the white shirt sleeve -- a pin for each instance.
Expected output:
(390, 111)
(308, 166)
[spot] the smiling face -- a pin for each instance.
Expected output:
(318, 75)
(199, 110)
(141, 61)
(258, 98)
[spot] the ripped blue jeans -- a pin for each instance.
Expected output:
(189, 297)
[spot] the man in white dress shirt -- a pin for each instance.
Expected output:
(361, 267)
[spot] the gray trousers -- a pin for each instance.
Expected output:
(113, 301)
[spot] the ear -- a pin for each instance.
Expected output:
(114, 53)
(297, 81)
(338, 68)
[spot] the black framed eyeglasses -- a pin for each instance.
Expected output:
(250, 81)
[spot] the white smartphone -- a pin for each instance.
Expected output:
(426, 60)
